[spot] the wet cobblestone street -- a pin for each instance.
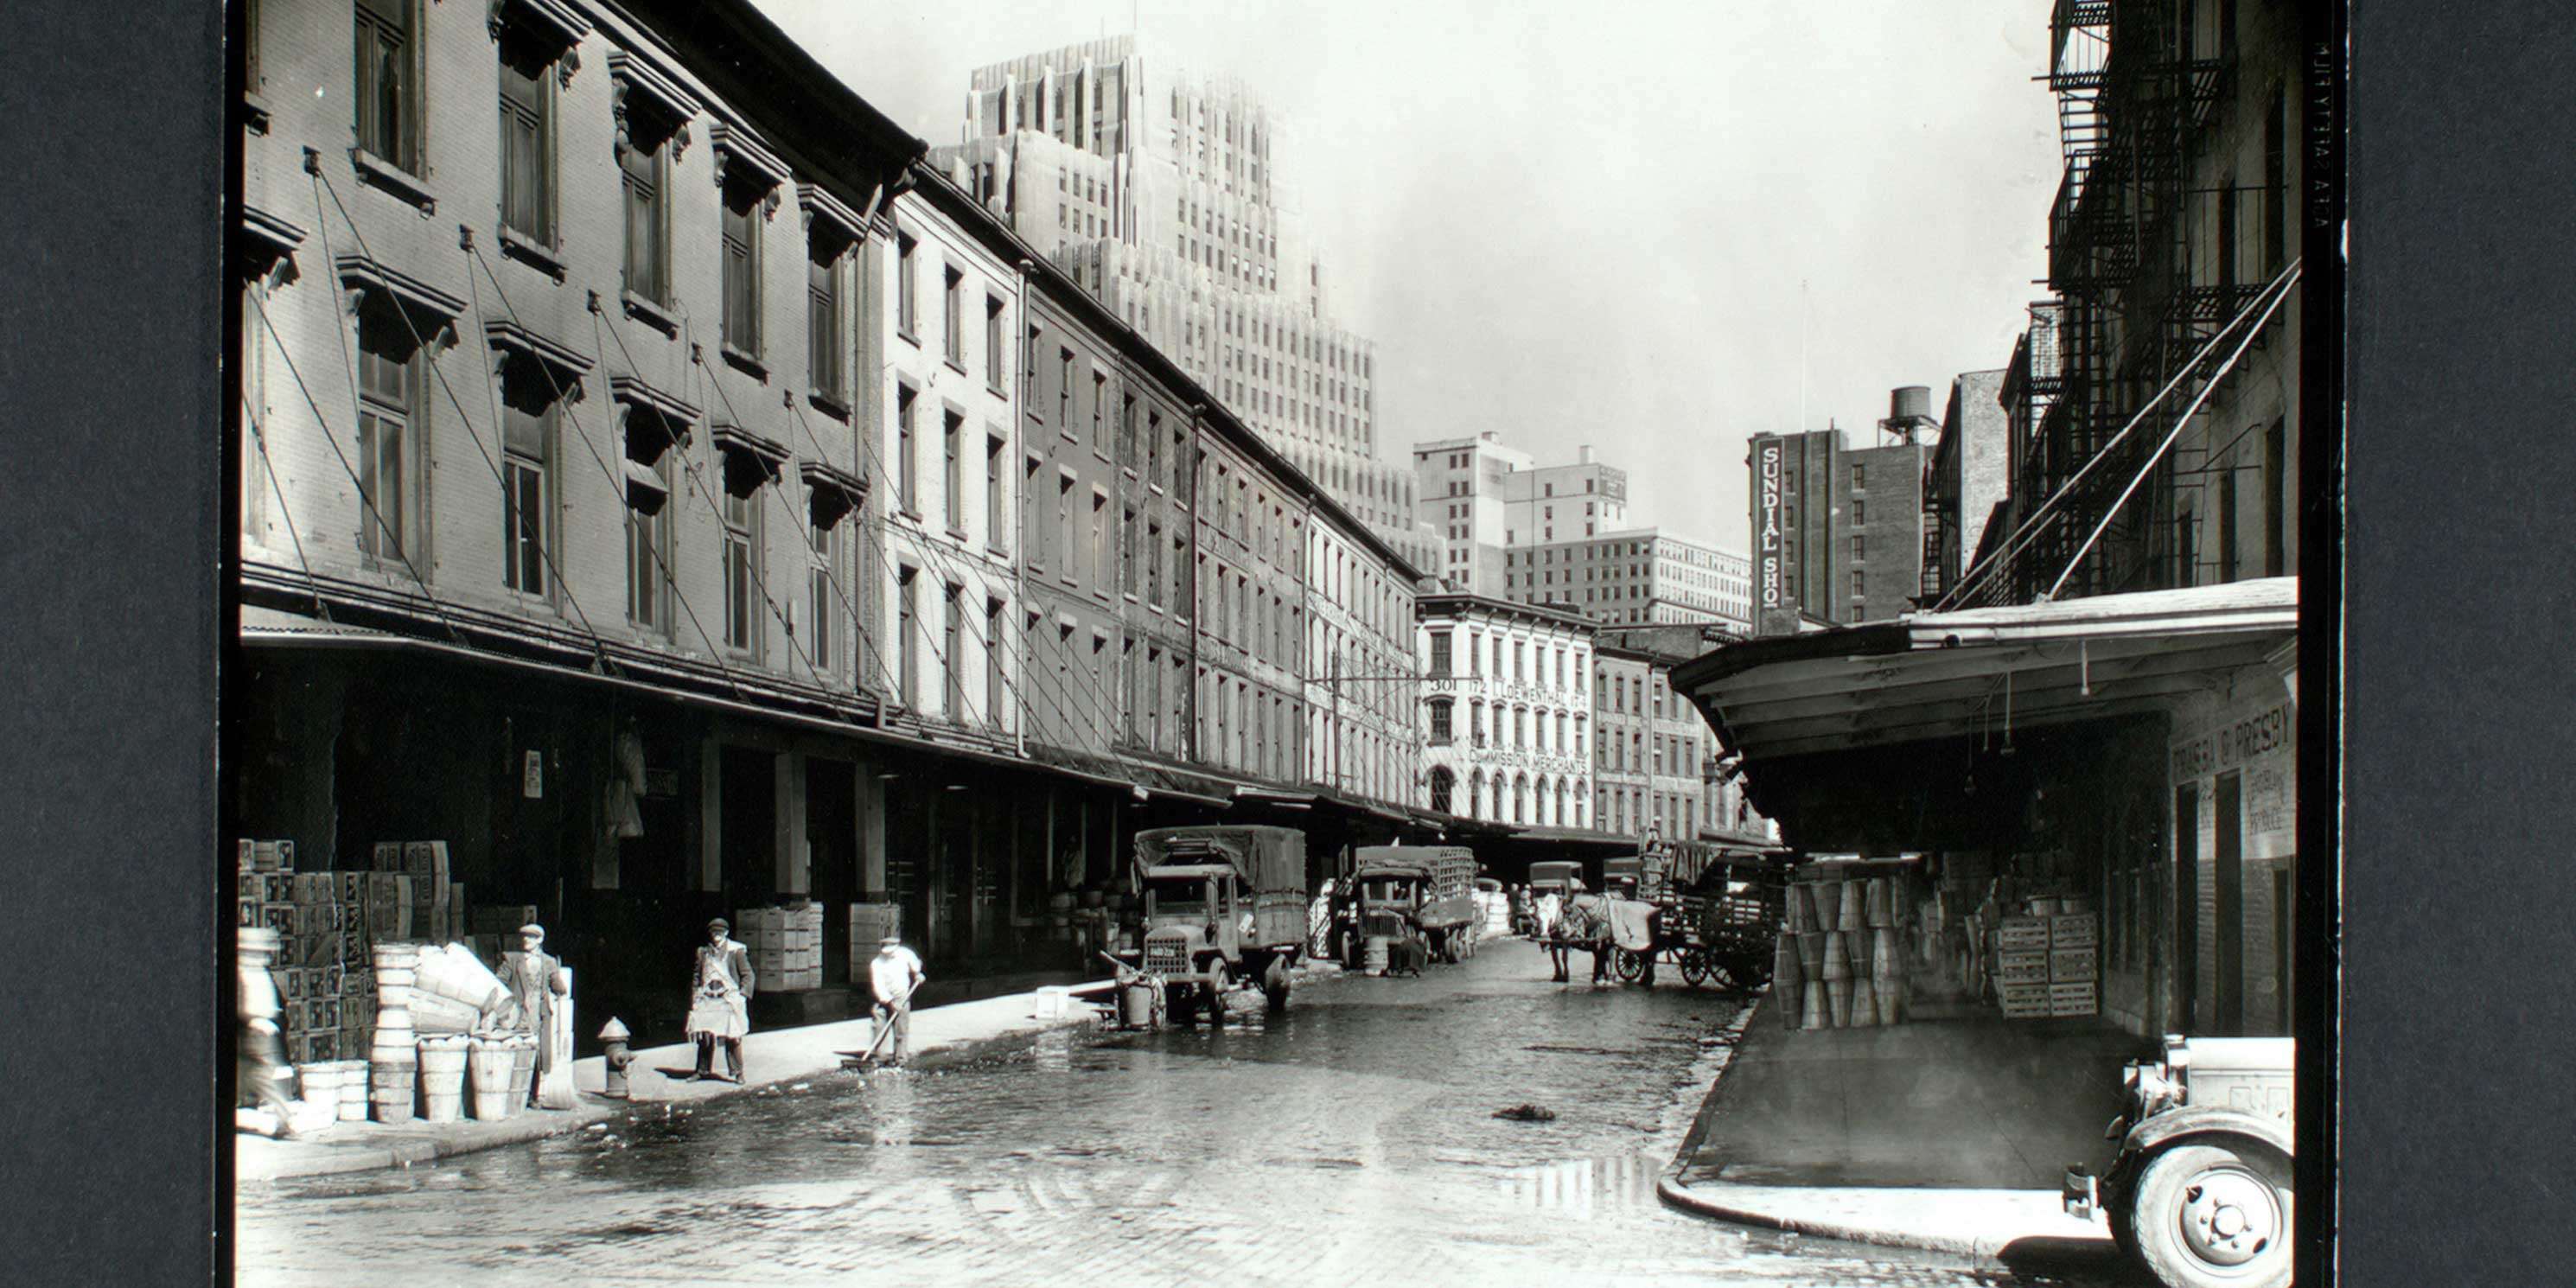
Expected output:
(1351, 1141)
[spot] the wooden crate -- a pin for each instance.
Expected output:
(2024, 966)
(2071, 965)
(2022, 932)
(2073, 999)
(2023, 1001)
(2074, 930)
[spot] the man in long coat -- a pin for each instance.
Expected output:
(720, 1000)
(531, 976)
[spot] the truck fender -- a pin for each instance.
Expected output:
(2213, 1120)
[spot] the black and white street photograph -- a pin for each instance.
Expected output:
(1126, 642)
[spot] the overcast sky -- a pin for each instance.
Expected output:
(1588, 223)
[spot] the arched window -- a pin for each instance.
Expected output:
(1475, 793)
(1561, 818)
(1441, 783)
(1538, 807)
(1520, 798)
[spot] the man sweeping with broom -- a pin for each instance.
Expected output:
(893, 975)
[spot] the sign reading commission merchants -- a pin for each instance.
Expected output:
(1766, 524)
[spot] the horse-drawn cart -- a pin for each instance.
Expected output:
(1717, 909)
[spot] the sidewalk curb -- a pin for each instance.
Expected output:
(591, 1108)
(1811, 1210)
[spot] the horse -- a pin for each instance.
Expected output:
(1583, 922)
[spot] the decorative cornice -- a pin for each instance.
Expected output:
(430, 309)
(741, 158)
(750, 461)
(557, 25)
(654, 420)
(831, 493)
(512, 343)
(267, 242)
(827, 214)
(649, 105)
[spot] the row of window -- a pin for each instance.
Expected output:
(1568, 741)
(1537, 802)
(1483, 654)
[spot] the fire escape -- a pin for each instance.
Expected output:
(2135, 98)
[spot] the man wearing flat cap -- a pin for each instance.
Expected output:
(893, 975)
(720, 1006)
(534, 981)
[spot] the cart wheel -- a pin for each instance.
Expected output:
(2215, 1216)
(1695, 968)
(1631, 967)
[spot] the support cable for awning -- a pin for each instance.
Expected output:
(324, 423)
(322, 183)
(1984, 576)
(286, 512)
(670, 578)
(2289, 277)
(689, 470)
(930, 553)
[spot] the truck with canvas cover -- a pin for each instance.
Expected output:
(1430, 888)
(1221, 908)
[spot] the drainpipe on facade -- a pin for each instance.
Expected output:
(1198, 622)
(1020, 511)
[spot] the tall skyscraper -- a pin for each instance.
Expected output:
(1156, 191)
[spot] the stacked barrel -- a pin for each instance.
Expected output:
(393, 1063)
(1840, 962)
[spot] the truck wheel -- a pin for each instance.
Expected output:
(1274, 985)
(1214, 990)
(2214, 1216)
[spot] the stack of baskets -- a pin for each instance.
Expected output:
(1840, 961)
(393, 1063)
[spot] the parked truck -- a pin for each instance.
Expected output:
(1425, 892)
(2201, 1191)
(1221, 908)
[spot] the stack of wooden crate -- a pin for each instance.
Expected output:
(2021, 967)
(786, 945)
(2074, 968)
(870, 923)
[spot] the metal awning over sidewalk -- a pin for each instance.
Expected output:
(1936, 675)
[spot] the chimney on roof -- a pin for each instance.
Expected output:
(1583, 454)
(1487, 436)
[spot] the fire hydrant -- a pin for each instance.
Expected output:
(615, 1058)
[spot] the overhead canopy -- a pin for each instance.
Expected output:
(1928, 676)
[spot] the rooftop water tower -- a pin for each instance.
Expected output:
(1909, 413)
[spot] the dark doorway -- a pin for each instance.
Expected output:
(749, 828)
(2186, 973)
(2230, 876)
(832, 839)
(2284, 934)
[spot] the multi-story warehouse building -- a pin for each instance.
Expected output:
(1460, 489)
(1506, 710)
(1838, 531)
(1158, 193)
(674, 495)
(1641, 576)
(2137, 602)
(1658, 775)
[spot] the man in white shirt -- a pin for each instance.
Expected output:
(893, 975)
